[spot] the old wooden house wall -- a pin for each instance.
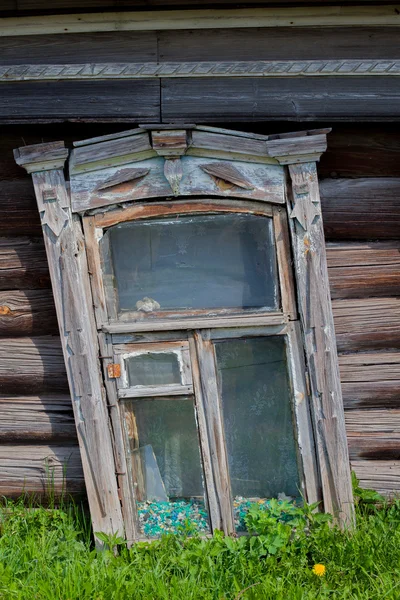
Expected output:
(360, 190)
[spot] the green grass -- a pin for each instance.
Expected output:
(49, 555)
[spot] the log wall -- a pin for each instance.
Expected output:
(360, 191)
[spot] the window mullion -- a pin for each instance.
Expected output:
(211, 431)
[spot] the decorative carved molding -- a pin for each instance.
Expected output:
(122, 176)
(173, 172)
(273, 68)
(227, 172)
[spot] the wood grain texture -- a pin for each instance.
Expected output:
(371, 394)
(367, 323)
(18, 212)
(315, 312)
(311, 98)
(366, 367)
(57, 101)
(23, 263)
(361, 270)
(45, 418)
(361, 209)
(27, 313)
(67, 261)
(380, 475)
(267, 182)
(373, 434)
(278, 44)
(32, 365)
(124, 46)
(40, 470)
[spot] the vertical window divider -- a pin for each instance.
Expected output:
(211, 431)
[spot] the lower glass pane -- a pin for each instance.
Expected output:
(166, 467)
(255, 393)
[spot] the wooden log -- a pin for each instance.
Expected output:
(367, 323)
(361, 270)
(361, 209)
(369, 366)
(18, 212)
(27, 313)
(362, 150)
(257, 99)
(281, 43)
(319, 339)
(23, 264)
(371, 394)
(46, 419)
(380, 475)
(40, 470)
(136, 101)
(32, 365)
(373, 434)
(121, 46)
(247, 44)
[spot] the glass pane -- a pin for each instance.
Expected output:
(165, 432)
(153, 368)
(255, 393)
(212, 261)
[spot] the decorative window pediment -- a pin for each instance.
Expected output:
(189, 273)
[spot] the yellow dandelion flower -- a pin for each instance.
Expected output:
(319, 570)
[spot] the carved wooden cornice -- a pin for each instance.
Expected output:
(273, 68)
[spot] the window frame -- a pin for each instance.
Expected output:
(103, 293)
(199, 329)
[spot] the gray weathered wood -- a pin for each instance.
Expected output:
(367, 323)
(216, 439)
(245, 320)
(27, 313)
(159, 390)
(44, 471)
(380, 475)
(266, 182)
(121, 464)
(319, 338)
(302, 414)
(92, 101)
(32, 365)
(380, 393)
(257, 99)
(360, 270)
(23, 264)
(70, 280)
(47, 418)
(369, 366)
(361, 209)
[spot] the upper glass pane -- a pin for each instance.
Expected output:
(153, 368)
(199, 262)
(257, 413)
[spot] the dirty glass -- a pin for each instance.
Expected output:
(199, 262)
(153, 368)
(166, 472)
(255, 394)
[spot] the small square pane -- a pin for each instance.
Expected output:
(166, 473)
(259, 431)
(196, 262)
(153, 368)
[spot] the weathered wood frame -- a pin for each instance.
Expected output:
(314, 375)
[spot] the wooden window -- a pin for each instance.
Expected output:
(190, 264)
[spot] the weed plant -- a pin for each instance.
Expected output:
(49, 555)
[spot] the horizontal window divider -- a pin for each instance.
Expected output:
(242, 320)
(244, 332)
(149, 391)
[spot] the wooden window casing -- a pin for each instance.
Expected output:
(198, 329)
(221, 172)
